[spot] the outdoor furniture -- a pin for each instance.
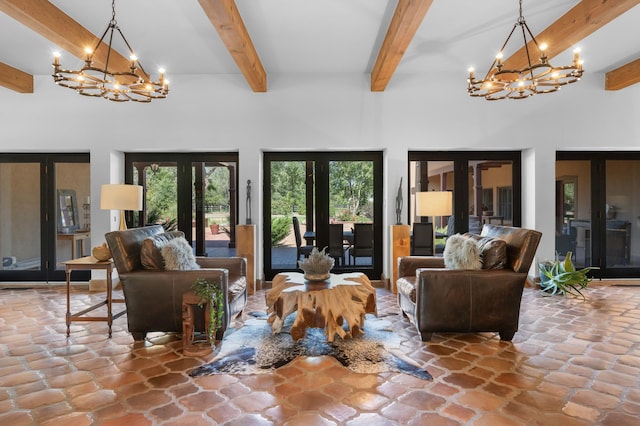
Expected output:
(362, 241)
(153, 297)
(422, 239)
(336, 242)
(305, 250)
(475, 227)
(445, 300)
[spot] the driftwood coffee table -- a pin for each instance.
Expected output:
(328, 304)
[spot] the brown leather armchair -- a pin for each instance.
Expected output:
(488, 300)
(154, 297)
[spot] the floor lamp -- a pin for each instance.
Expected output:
(121, 197)
(434, 203)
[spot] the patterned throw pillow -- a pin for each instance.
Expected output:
(178, 255)
(461, 252)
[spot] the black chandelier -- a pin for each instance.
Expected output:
(131, 84)
(542, 77)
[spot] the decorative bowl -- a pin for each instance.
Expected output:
(316, 277)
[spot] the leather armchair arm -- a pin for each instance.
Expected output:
(154, 298)
(235, 265)
(468, 300)
(407, 265)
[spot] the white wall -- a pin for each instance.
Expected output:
(333, 112)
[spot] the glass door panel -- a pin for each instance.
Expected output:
(485, 189)
(72, 208)
(195, 193)
(351, 201)
(288, 183)
(213, 208)
(490, 193)
(622, 211)
(431, 176)
(20, 217)
(573, 211)
(310, 197)
(44, 215)
(160, 202)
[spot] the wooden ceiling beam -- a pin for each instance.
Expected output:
(405, 23)
(14, 79)
(58, 27)
(226, 19)
(623, 77)
(579, 22)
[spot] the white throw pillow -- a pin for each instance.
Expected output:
(461, 252)
(178, 255)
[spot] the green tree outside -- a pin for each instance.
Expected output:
(351, 188)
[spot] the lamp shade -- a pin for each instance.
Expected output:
(121, 197)
(434, 203)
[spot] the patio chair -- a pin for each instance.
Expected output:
(362, 241)
(305, 250)
(422, 240)
(336, 242)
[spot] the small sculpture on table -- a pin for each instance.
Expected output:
(101, 252)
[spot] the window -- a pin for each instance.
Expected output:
(44, 215)
(505, 203)
(597, 211)
(485, 185)
(305, 193)
(194, 193)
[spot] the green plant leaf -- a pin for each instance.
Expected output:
(561, 277)
(209, 292)
(568, 264)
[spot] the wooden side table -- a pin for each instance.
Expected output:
(189, 346)
(86, 264)
(74, 238)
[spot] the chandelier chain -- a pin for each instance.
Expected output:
(520, 18)
(113, 13)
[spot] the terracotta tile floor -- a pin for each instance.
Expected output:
(573, 362)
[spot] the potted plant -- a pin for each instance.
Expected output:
(562, 277)
(213, 226)
(209, 292)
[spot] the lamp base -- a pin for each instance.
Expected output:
(123, 223)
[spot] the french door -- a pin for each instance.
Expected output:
(320, 189)
(44, 215)
(486, 188)
(597, 211)
(192, 192)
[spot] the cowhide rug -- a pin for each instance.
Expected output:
(253, 349)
